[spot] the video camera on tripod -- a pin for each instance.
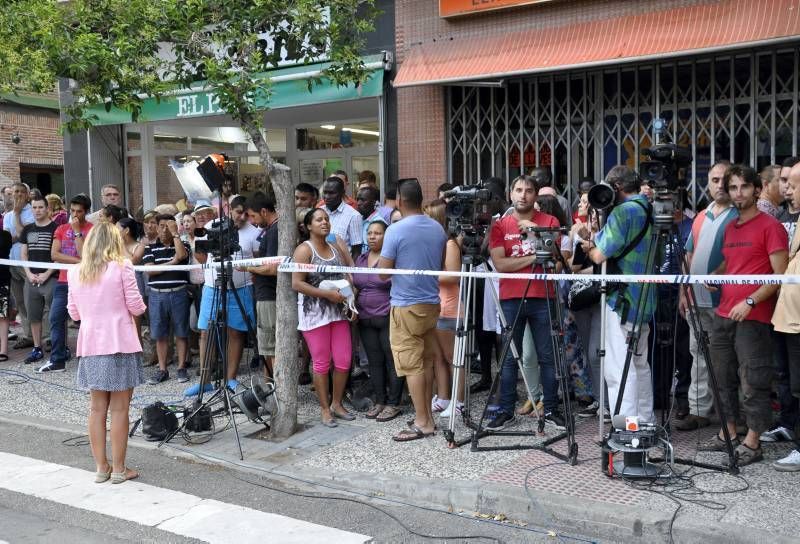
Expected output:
(222, 241)
(665, 172)
(468, 216)
(545, 241)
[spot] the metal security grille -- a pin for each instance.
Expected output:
(742, 106)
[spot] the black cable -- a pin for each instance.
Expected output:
(308, 495)
(75, 441)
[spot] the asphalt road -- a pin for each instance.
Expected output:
(25, 518)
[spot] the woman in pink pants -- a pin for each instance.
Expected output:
(321, 316)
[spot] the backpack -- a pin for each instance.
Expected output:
(158, 422)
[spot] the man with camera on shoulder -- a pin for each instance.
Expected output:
(624, 241)
(511, 252)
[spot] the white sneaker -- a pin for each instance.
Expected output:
(449, 410)
(778, 434)
(790, 463)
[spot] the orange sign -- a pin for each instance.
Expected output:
(451, 8)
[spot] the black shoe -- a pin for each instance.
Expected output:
(481, 385)
(556, 419)
(304, 379)
(500, 421)
(158, 377)
(50, 367)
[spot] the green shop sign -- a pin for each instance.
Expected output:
(287, 91)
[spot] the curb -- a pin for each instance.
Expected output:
(561, 514)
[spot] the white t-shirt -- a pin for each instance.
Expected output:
(248, 241)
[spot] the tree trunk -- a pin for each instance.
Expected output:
(287, 369)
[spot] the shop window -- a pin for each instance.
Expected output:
(338, 136)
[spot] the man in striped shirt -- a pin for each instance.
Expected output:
(168, 303)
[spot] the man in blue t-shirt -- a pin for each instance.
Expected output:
(416, 242)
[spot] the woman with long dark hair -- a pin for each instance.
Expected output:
(104, 297)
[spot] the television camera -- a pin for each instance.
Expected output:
(468, 216)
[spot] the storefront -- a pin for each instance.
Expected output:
(316, 133)
(580, 97)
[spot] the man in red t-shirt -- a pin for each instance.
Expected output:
(67, 246)
(512, 253)
(741, 341)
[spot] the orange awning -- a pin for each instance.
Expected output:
(657, 34)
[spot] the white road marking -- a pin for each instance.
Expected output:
(172, 511)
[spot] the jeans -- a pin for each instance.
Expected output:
(58, 324)
(536, 313)
(375, 337)
(588, 323)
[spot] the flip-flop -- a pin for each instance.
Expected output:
(124, 476)
(388, 414)
(375, 412)
(414, 433)
(330, 423)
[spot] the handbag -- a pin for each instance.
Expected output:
(583, 294)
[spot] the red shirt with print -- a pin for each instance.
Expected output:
(505, 233)
(66, 236)
(746, 249)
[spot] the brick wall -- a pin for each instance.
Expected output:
(421, 146)
(40, 142)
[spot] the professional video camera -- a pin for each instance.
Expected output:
(665, 172)
(545, 241)
(468, 216)
(223, 238)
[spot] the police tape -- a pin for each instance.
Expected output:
(285, 264)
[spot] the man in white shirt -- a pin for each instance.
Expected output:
(345, 220)
(109, 194)
(237, 323)
(14, 221)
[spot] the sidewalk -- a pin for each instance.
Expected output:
(361, 457)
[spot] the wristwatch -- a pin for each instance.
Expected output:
(750, 302)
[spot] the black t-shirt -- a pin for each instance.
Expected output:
(158, 253)
(265, 286)
(5, 252)
(39, 241)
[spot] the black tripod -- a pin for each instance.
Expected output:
(216, 349)
(545, 257)
(663, 236)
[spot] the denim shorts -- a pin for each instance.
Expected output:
(168, 308)
(235, 318)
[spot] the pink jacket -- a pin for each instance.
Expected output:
(106, 309)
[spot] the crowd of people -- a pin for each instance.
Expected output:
(400, 330)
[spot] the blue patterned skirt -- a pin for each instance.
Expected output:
(116, 372)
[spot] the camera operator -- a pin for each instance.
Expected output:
(628, 221)
(242, 284)
(511, 253)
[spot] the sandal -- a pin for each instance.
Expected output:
(330, 423)
(414, 433)
(376, 410)
(119, 477)
(438, 405)
(746, 455)
(388, 414)
(346, 416)
(525, 409)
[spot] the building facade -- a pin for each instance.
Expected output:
(575, 86)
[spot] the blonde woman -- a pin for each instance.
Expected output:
(57, 212)
(104, 297)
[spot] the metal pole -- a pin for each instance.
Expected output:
(602, 350)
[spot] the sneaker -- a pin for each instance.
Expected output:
(500, 421)
(448, 412)
(790, 463)
(35, 356)
(556, 419)
(778, 434)
(589, 411)
(158, 377)
(183, 376)
(606, 416)
(51, 367)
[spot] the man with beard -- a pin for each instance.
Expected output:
(511, 253)
(704, 255)
(741, 343)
